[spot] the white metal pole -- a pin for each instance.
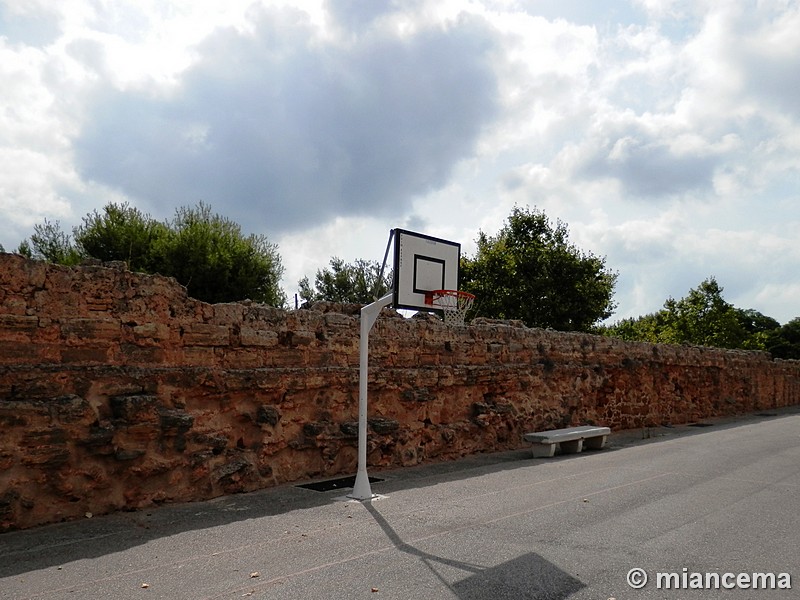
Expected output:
(369, 314)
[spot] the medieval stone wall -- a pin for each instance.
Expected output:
(117, 391)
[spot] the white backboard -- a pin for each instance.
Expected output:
(421, 264)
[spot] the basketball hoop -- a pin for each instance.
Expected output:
(453, 303)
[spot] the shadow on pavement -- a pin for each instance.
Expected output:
(527, 577)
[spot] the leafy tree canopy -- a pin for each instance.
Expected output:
(122, 232)
(784, 342)
(530, 271)
(357, 282)
(204, 251)
(704, 318)
(50, 243)
(209, 254)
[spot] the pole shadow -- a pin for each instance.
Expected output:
(527, 577)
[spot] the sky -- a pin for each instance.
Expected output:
(664, 133)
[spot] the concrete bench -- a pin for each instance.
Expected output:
(571, 440)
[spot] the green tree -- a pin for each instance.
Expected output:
(205, 252)
(50, 243)
(122, 232)
(642, 329)
(784, 342)
(357, 282)
(704, 318)
(758, 327)
(530, 271)
(25, 249)
(208, 254)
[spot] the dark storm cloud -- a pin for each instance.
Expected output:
(278, 130)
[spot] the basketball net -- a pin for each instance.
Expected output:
(454, 304)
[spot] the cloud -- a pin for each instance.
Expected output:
(357, 15)
(284, 130)
(648, 168)
(770, 58)
(707, 114)
(27, 23)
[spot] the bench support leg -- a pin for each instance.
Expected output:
(543, 450)
(595, 443)
(571, 447)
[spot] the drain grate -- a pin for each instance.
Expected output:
(335, 484)
(700, 424)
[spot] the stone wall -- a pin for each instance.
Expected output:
(117, 391)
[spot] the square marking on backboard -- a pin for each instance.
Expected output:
(422, 263)
(428, 274)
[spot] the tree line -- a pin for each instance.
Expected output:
(704, 318)
(204, 251)
(529, 270)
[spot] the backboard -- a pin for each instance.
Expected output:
(421, 264)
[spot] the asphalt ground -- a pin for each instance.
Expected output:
(721, 498)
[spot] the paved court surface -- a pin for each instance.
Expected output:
(721, 499)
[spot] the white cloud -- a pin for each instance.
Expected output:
(773, 299)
